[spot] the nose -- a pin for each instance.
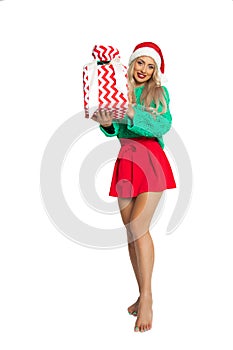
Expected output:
(143, 69)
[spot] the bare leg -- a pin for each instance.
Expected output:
(145, 253)
(126, 206)
(133, 309)
(142, 213)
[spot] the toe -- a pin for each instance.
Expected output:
(142, 329)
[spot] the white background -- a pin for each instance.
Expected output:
(56, 294)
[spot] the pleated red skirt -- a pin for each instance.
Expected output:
(141, 166)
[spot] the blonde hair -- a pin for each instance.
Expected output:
(152, 89)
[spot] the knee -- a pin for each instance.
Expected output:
(132, 236)
(137, 230)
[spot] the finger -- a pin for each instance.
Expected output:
(103, 114)
(97, 113)
(94, 117)
(151, 110)
(130, 97)
(107, 115)
(110, 115)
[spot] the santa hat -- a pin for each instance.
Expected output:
(149, 49)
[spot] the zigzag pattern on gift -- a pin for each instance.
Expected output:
(108, 93)
(85, 87)
(104, 53)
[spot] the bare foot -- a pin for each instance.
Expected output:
(133, 309)
(145, 314)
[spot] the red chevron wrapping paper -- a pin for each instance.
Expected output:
(105, 83)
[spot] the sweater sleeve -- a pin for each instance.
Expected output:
(111, 130)
(145, 124)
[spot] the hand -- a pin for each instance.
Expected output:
(152, 111)
(130, 110)
(103, 117)
(131, 99)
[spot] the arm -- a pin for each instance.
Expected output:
(145, 124)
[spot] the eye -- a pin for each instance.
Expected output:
(151, 67)
(139, 62)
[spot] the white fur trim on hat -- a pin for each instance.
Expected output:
(146, 51)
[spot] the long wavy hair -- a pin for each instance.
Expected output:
(152, 89)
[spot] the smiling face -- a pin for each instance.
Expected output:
(144, 68)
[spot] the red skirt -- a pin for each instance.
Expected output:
(141, 166)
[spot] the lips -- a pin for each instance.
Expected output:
(141, 76)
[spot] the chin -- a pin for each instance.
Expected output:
(140, 81)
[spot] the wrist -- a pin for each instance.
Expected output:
(106, 125)
(110, 128)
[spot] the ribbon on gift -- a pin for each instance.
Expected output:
(121, 82)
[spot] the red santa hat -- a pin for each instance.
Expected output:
(149, 49)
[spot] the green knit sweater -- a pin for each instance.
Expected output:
(143, 123)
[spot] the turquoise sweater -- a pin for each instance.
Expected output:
(143, 123)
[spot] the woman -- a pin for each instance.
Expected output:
(142, 171)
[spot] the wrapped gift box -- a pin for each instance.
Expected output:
(105, 83)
